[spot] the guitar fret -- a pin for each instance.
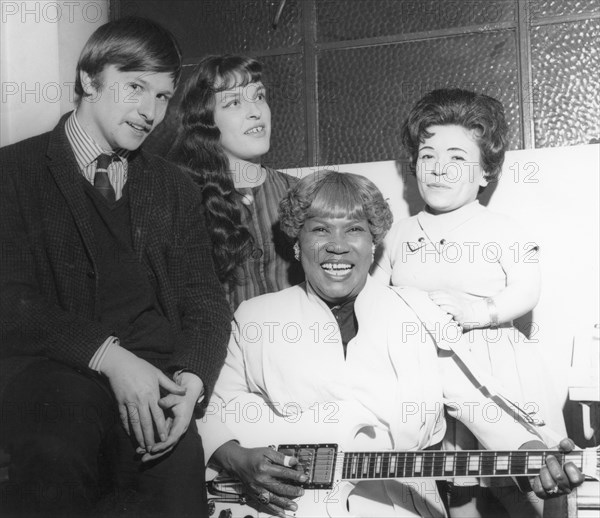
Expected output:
(409, 465)
(460, 467)
(428, 461)
(393, 463)
(473, 462)
(449, 465)
(535, 461)
(502, 462)
(427, 464)
(438, 463)
(488, 462)
(518, 463)
(418, 463)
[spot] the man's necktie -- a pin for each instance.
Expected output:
(101, 181)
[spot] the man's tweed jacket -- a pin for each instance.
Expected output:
(48, 281)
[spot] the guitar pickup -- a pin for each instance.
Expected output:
(317, 462)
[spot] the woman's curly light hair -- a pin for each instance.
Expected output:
(331, 194)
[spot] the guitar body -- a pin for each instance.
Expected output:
(323, 503)
(341, 422)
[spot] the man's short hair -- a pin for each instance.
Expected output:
(131, 43)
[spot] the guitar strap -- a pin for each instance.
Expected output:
(421, 306)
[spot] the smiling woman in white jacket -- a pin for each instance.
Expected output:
(344, 359)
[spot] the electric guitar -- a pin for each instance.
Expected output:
(331, 474)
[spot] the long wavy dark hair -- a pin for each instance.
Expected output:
(199, 151)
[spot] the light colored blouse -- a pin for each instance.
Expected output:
(470, 250)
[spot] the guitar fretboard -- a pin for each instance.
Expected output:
(439, 464)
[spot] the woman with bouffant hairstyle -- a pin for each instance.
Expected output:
(478, 266)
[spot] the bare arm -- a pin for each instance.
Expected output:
(521, 294)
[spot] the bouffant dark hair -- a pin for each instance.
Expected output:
(478, 112)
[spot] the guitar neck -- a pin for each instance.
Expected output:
(325, 465)
(441, 464)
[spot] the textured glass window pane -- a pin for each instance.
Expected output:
(339, 20)
(284, 78)
(365, 94)
(565, 63)
(217, 26)
(541, 8)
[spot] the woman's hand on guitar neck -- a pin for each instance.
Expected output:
(554, 479)
(269, 477)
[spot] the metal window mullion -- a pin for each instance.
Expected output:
(311, 104)
(526, 86)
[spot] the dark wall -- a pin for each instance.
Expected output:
(342, 74)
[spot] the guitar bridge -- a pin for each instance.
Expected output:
(317, 462)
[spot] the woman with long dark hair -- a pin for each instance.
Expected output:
(225, 131)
